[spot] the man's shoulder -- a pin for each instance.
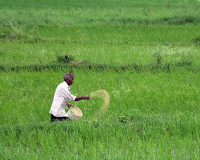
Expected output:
(63, 85)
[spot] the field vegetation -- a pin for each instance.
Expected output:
(145, 54)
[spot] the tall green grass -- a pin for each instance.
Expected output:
(162, 94)
(154, 106)
(62, 4)
(49, 53)
(102, 140)
(124, 33)
(40, 33)
(112, 11)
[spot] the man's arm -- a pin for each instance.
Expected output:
(69, 105)
(81, 98)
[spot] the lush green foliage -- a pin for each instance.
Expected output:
(166, 94)
(115, 45)
(144, 53)
(102, 140)
(113, 11)
(150, 115)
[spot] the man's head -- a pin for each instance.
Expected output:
(69, 78)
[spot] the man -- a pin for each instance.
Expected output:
(61, 96)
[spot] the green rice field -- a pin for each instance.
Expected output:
(146, 55)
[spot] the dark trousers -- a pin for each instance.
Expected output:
(53, 118)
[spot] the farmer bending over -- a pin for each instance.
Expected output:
(61, 96)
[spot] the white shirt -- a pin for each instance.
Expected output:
(62, 94)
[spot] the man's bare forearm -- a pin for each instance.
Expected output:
(81, 98)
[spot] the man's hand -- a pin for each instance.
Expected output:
(69, 105)
(87, 97)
